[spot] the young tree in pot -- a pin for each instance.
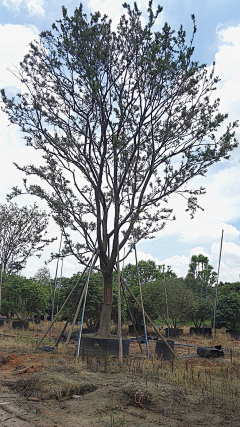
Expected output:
(176, 301)
(200, 280)
(149, 273)
(24, 298)
(111, 112)
(228, 312)
(22, 234)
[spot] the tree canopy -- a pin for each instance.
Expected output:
(228, 311)
(124, 119)
(22, 234)
(24, 298)
(200, 280)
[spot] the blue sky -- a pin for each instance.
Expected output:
(217, 39)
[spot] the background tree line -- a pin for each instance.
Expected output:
(168, 299)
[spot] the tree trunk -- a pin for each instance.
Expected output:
(105, 318)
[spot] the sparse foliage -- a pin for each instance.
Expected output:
(43, 276)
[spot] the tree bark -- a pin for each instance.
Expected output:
(105, 318)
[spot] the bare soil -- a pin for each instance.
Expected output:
(41, 389)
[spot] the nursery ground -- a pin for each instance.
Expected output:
(41, 389)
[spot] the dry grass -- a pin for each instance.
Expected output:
(212, 382)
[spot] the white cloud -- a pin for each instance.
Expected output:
(16, 44)
(221, 205)
(34, 7)
(207, 233)
(12, 4)
(70, 266)
(229, 267)
(142, 256)
(16, 41)
(108, 7)
(228, 68)
(114, 9)
(179, 264)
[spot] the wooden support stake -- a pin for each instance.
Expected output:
(55, 280)
(132, 319)
(119, 312)
(69, 317)
(84, 304)
(150, 321)
(216, 297)
(79, 304)
(61, 309)
(141, 299)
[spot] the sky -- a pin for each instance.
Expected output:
(217, 40)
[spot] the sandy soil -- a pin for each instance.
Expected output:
(40, 389)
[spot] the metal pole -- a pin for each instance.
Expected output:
(216, 297)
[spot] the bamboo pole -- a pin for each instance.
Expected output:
(74, 320)
(55, 281)
(83, 291)
(166, 298)
(216, 297)
(120, 346)
(141, 299)
(84, 304)
(132, 319)
(150, 321)
(129, 311)
(1, 276)
(128, 307)
(69, 317)
(61, 309)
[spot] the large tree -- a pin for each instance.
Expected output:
(124, 120)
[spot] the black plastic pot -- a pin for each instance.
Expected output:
(210, 351)
(234, 334)
(173, 332)
(139, 328)
(3, 321)
(201, 331)
(162, 351)
(37, 320)
(104, 346)
(20, 324)
(88, 331)
(72, 337)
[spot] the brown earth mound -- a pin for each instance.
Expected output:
(46, 385)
